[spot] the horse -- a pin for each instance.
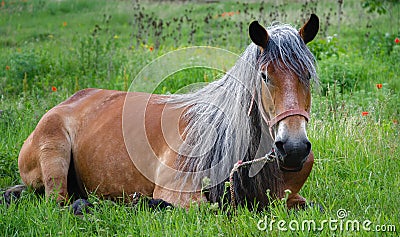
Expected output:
(182, 148)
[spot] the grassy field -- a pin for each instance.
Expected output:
(50, 49)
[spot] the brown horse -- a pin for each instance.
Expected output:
(181, 148)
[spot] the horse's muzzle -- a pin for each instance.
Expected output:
(292, 154)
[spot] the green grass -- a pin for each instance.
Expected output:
(357, 157)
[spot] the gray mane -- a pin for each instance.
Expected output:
(286, 44)
(220, 131)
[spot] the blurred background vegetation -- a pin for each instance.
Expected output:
(51, 49)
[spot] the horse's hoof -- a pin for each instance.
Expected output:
(81, 206)
(159, 204)
(13, 194)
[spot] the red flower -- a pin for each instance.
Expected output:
(64, 23)
(364, 113)
(224, 14)
(54, 89)
(151, 48)
(7, 67)
(239, 162)
(397, 40)
(379, 86)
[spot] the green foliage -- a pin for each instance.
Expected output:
(324, 48)
(381, 44)
(187, 78)
(379, 6)
(77, 44)
(24, 64)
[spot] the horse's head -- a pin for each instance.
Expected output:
(286, 66)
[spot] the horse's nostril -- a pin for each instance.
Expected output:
(279, 147)
(308, 144)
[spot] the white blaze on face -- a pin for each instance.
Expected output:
(283, 130)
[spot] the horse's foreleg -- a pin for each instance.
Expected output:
(55, 166)
(295, 180)
(45, 158)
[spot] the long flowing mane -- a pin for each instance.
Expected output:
(220, 129)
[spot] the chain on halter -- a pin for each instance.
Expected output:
(268, 158)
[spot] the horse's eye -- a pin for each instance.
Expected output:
(264, 77)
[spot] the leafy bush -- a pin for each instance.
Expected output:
(379, 6)
(325, 48)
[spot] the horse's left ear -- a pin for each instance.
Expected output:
(310, 29)
(258, 34)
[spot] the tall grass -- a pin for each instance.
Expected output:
(70, 45)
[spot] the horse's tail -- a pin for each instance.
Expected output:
(12, 194)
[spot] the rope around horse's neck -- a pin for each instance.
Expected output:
(268, 158)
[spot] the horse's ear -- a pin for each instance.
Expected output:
(258, 34)
(310, 29)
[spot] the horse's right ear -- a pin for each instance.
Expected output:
(258, 34)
